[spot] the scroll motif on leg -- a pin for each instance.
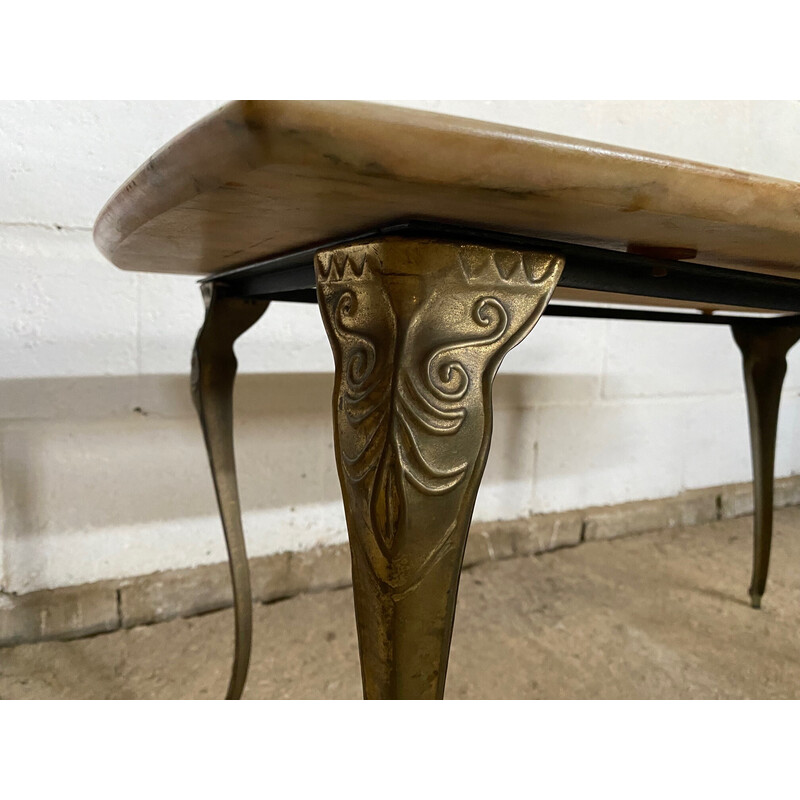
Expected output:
(418, 330)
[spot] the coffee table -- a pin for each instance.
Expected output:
(433, 244)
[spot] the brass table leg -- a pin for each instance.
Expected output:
(418, 329)
(213, 375)
(764, 347)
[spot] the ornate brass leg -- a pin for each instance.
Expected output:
(418, 330)
(764, 347)
(213, 374)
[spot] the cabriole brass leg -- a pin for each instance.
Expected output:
(418, 330)
(213, 374)
(764, 347)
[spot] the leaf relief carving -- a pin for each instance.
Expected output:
(392, 407)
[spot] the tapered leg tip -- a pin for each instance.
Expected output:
(755, 600)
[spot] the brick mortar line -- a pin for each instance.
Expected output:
(88, 609)
(50, 226)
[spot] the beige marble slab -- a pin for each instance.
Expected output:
(260, 178)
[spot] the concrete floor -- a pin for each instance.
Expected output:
(659, 615)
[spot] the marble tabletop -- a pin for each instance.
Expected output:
(257, 179)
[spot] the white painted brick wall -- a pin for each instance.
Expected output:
(102, 470)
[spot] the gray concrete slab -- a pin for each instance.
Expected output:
(656, 615)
